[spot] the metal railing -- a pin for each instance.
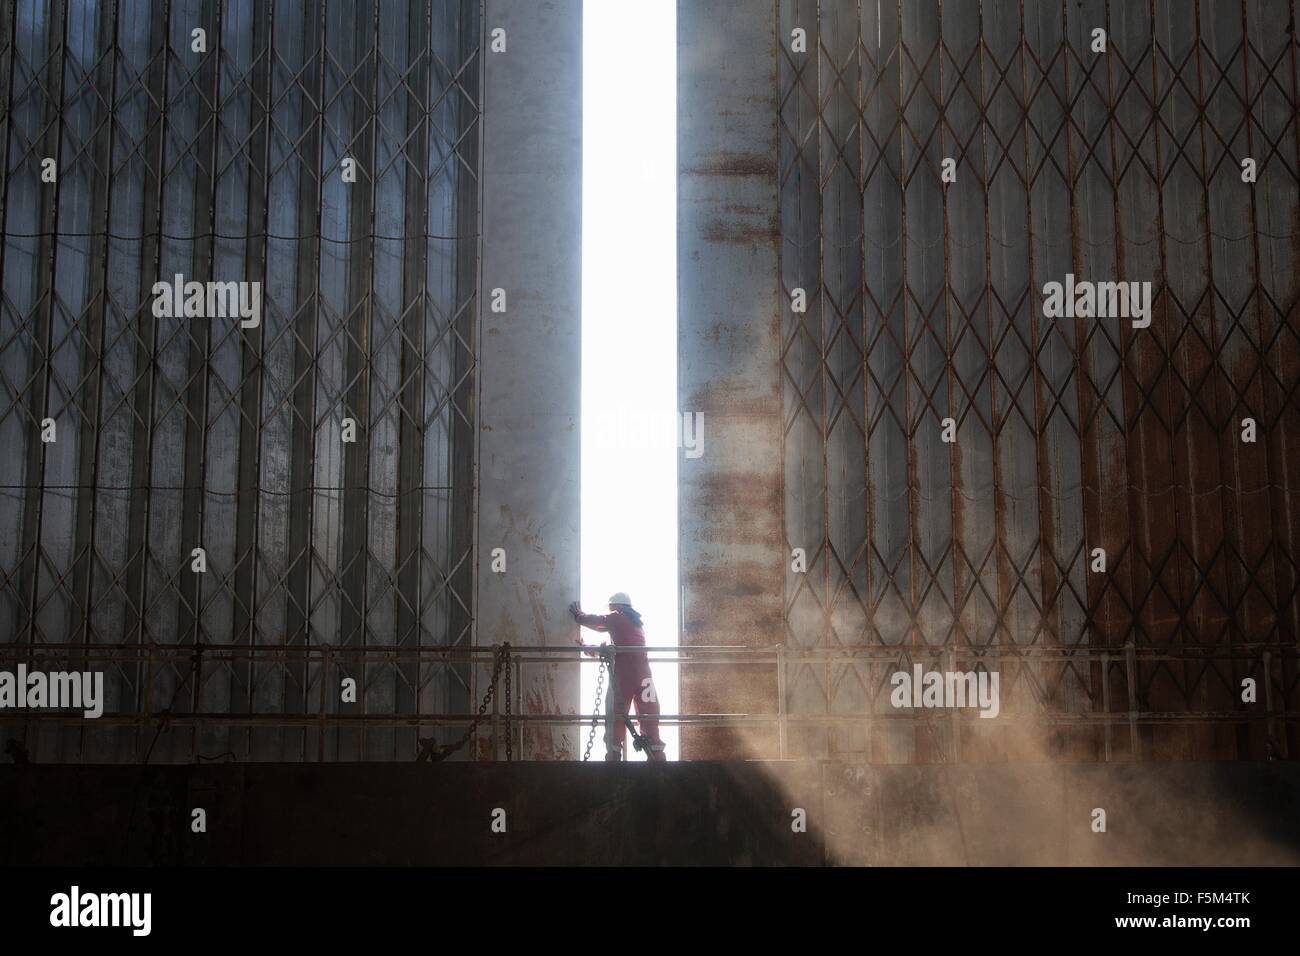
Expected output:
(1113, 679)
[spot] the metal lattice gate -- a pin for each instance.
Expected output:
(925, 303)
(330, 153)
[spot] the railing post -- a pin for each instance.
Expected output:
(517, 706)
(1105, 697)
(196, 700)
(148, 697)
(954, 722)
(1130, 668)
(496, 709)
(322, 713)
(780, 698)
(1268, 699)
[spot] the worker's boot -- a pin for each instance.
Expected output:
(614, 756)
(657, 752)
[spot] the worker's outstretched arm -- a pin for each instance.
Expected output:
(593, 621)
(596, 622)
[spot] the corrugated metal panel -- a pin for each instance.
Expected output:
(926, 302)
(226, 164)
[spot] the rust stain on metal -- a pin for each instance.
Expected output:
(741, 231)
(741, 164)
(719, 492)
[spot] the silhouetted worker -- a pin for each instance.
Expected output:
(631, 679)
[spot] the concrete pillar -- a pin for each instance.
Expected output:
(529, 355)
(728, 364)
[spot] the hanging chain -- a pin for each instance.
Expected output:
(510, 737)
(430, 751)
(595, 711)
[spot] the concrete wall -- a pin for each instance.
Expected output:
(702, 813)
(530, 354)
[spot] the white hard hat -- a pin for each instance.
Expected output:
(620, 597)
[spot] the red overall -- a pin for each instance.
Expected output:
(632, 682)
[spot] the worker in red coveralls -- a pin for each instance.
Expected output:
(631, 678)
